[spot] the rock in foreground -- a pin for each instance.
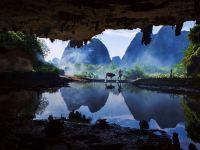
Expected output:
(26, 134)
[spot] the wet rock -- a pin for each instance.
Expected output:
(102, 123)
(53, 128)
(147, 31)
(90, 17)
(144, 124)
(75, 43)
(78, 117)
(116, 146)
(178, 28)
(192, 147)
(176, 140)
(29, 135)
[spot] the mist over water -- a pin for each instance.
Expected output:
(165, 50)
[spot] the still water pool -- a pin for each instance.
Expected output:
(122, 104)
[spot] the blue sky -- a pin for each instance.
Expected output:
(116, 41)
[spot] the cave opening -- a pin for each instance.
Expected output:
(123, 49)
(91, 74)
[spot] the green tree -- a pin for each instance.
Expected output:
(139, 71)
(179, 70)
(46, 67)
(26, 42)
(192, 122)
(192, 54)
(30, 44)
(194, 35)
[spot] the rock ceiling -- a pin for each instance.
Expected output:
(79, 20)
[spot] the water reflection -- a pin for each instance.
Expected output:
(192, 118)
(56, 106)
(19, 102)
(124, 105)
(115, 110)
(109, 86)
(88, 94)
(145, 105)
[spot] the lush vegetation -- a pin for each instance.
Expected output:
(46, 67)
(99, 71)
(194, 35)
(19, 40)
(90, 75)
(145, 71)
(137, 71)
(89, 70)
(30, 44)
(192, 54)
(179, 70)
(192, 122)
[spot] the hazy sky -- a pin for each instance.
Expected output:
(116, 41)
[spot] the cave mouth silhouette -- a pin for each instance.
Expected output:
(78, 20)
(165, 50)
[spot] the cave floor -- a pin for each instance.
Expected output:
(27, 134)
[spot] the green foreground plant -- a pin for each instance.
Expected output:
(32, 45)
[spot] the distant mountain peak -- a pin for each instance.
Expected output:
(93, 53)
(116, 60)
(166, 28)
(164, 50)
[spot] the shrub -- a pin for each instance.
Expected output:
(179, 70)
(31, 44)
(54, 128)
(46, 67)
(19, 40)
(86, 75)
(192, 54)
(139, 71)
(192, 122)
(194, 35)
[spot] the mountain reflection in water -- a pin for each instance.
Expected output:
(89, 95)
(146, 105)
(131, 102)
(122, 104)
(20, 102)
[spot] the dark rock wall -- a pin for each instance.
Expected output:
(15, 60)
(80, 20)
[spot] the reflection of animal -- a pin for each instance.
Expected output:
(109, 87)
(110, 75)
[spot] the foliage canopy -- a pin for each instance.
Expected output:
(19, 40)
(31, 44)
(194, 35)
(192, 54)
